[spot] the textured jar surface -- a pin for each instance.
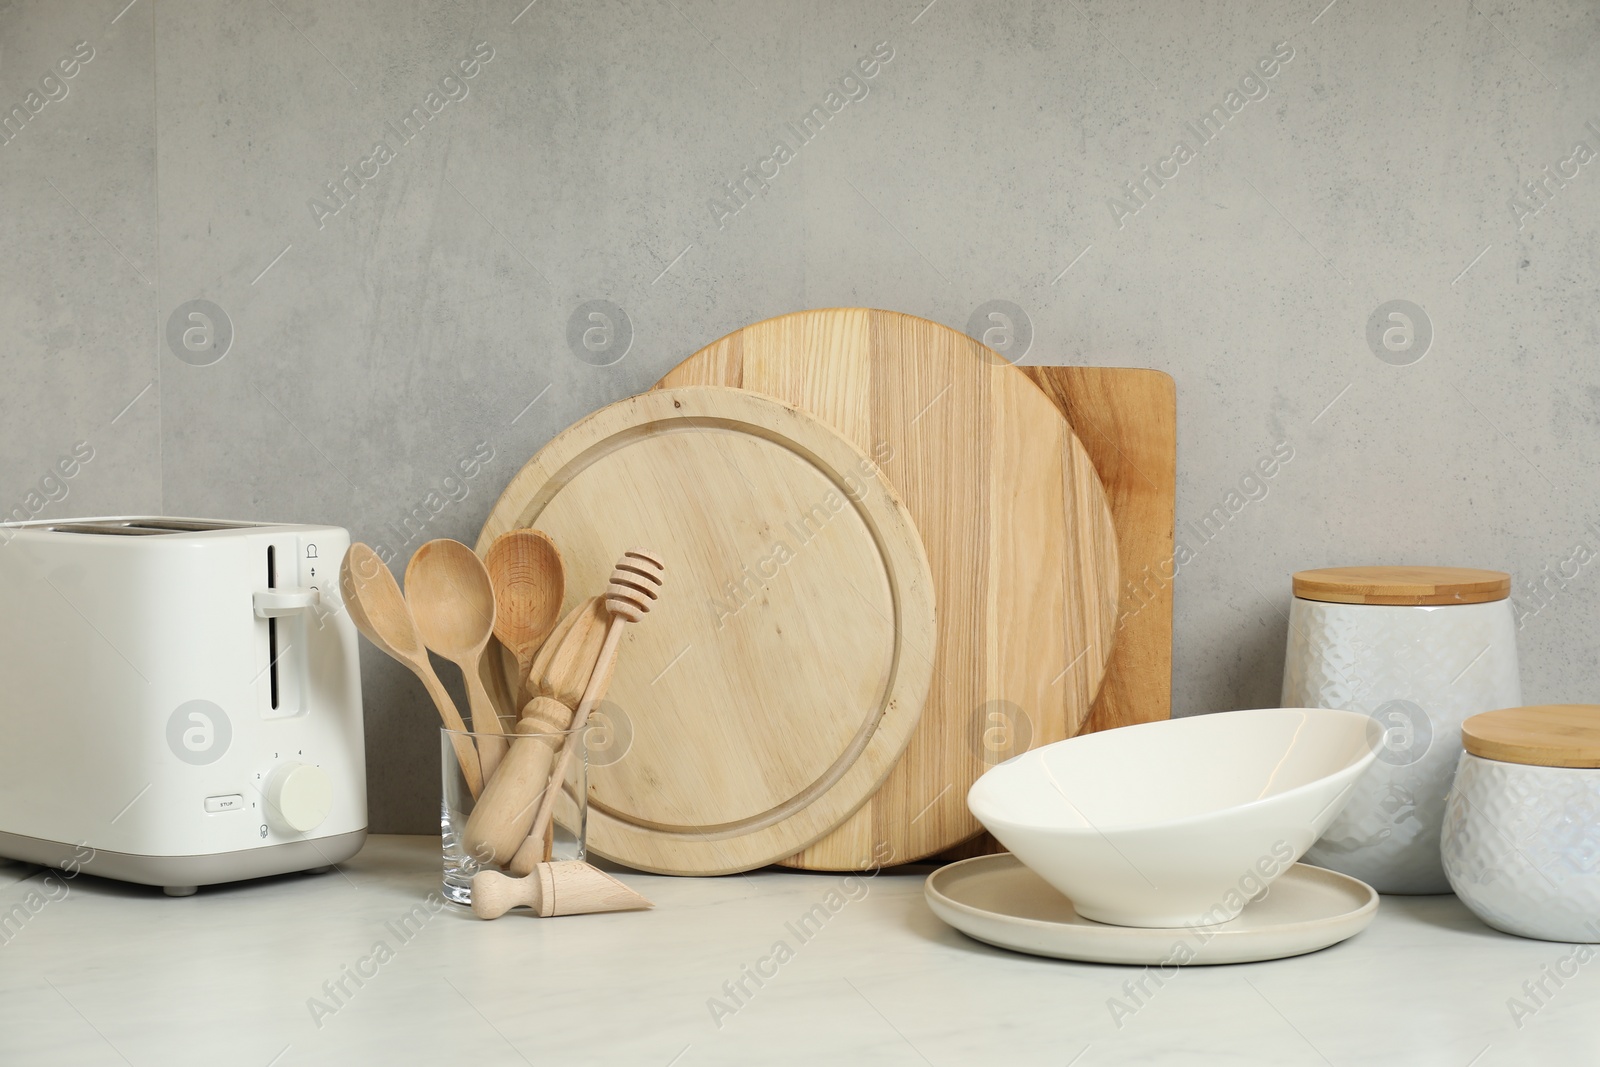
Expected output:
(1522, 848)
(1420, 671)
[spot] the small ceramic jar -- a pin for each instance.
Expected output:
(1419, 649)
(1521, 840)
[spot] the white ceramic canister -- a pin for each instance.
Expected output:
(1420, 649)
(1521, 841)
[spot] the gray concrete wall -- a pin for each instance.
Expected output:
(377, 340)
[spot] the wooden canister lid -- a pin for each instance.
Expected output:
(1545, 735)
(1402, 585)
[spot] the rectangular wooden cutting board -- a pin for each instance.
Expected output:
(1127, 420)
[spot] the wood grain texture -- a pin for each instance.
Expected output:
(1543, 735)
(529, 585)
(1127, 419)
(777, 680)
(1018, 534)
(1402, 585)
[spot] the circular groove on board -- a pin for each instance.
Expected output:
(771, 689)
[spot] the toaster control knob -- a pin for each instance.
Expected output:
(299, 796)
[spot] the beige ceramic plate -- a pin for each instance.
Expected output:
(997, 900)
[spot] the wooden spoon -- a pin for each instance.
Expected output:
(372, 597)
(529, 585)
(452, 599)
(634, 588)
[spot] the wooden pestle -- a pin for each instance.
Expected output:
(570, 887)
(501, 818)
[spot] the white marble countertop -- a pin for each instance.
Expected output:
(105, 973)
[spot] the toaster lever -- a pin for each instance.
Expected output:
(273, 603)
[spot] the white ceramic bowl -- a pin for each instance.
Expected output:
(1180, 822)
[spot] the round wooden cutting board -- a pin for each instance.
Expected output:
(771, 689)
(1017, 530)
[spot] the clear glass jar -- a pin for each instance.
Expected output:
(519, 766)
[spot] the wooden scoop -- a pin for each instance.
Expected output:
(452, 600)
(635, 586)
(568, 887)
(529, 585)
(372, 597)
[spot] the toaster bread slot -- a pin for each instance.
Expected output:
(143, 527)
(281, 635)
(184, 525)
(272, 630)
(113, 528)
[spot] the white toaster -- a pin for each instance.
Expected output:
(180, 700)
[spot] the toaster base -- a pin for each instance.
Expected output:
(186, 872)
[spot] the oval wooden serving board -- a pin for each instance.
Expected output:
(771, 690)
(1017, 530)
(1127, 419)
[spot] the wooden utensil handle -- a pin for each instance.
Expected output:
(466, 755)
(494, 894)
(485, 722)
(532, 849)
(524, 665)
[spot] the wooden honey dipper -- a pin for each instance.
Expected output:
(634, 588)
